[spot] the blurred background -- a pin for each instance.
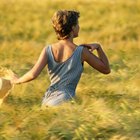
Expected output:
(107, 107)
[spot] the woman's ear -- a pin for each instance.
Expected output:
(73, 28)
(72, 31)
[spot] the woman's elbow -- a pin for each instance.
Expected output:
(106, 71)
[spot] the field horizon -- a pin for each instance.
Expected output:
(106, 107)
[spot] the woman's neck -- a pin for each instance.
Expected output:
(67, 40)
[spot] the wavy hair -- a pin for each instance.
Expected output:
(63, 21)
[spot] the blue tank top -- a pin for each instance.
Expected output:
(64, 77)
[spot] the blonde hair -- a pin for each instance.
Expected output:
(63, 21)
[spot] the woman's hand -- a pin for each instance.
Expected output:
(14, 79)
(92, 47)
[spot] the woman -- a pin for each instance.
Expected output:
(65, 59)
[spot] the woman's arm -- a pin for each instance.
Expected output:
(34, 72)
(101, 62)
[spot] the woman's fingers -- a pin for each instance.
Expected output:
(14, 79)
(91, 47)
(86, 45)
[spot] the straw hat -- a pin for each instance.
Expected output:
(5, 84)
(5, 87)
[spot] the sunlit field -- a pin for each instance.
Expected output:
(106, 107)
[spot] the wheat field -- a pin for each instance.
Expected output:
(106, 107)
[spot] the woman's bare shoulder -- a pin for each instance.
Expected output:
(85, 53)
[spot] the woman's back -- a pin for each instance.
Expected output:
(64, 75)
(63, 50)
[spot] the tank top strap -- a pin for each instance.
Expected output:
(49, 54)
(79, 51)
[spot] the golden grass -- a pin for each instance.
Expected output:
(107, 107)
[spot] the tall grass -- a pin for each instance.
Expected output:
(106, 107)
